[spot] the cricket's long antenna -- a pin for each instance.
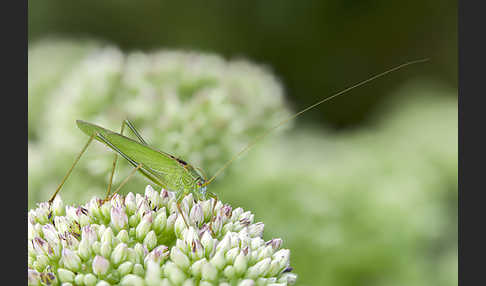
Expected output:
(258, 138)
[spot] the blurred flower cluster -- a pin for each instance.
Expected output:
(376, 205)
(199, 107)
(143, 240)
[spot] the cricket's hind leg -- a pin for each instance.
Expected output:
(71, 169)
(127, 123)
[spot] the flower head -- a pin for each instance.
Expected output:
(143, 240)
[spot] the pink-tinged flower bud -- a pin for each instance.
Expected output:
(33, 277)
(217, 224)
(100, 265)
(50, 234)
(89, 234)
(275, 243)
(226, 211)
(117, 201)
(119, 218)
(71, 260)
(142, 207)
(158, 255)
(196, 215)
(41, 246)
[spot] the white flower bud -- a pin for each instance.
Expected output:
(84, 249)
(107, 236)
(90, 279)
(65, 275)
(152, 196)
(105, 249)
(207, 242)
(229, 272)
(152, 278)
(256, 230)
(175, 275)
(119, 254)
(105, 209)
(102, 283)
(231, 255)
(241, 262)
(71, 260)
(144, 226)
(218, 260)
(130, 203)
(179, 225)
(132, 280)
(160, 220)
(179, 258)
(196, 267)
(288, 278)
(282, 256)
(123, 236)
(125, 268)
(100, 265)
(57, 206)
(259, 269)
(171, 221)
(246, 282)
(150, 240)
(209, 272)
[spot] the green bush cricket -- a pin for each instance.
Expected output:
(168, 171)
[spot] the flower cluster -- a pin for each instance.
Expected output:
(144, 240)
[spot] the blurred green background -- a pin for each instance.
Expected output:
(363, 190)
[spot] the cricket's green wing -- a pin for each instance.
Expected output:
(155, 162)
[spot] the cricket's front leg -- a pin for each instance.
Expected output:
(215, 197)
(179, 197)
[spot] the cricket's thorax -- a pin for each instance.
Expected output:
(186, 180)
